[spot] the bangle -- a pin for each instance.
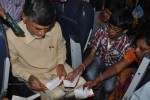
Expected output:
(101, 77)
(83, 66)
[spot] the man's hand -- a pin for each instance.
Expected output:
(36, 84)
(61, 72)
(78, 71)
(93, 84)
(90, 84)
(2, 11)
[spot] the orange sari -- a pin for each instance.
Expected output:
(125, 77)
(130, 56)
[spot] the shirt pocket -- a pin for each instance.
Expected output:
(115, 54)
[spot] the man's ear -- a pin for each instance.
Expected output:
(125, 31)
(24, 18)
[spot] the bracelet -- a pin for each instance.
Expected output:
(101, 77)
(83, 66)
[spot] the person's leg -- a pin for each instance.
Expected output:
(21, 88)
(99, 94)
(103, 92)
(94, 69)
(109, 86)
(69, 92)
(56, 94)
(60, 92)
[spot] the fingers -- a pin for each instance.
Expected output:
(87, 84)
(68, 76)
(58, 73)
(61, 72)
(90, 84)
(45, 88)
(71, 77)
(64, 73)
(2, 12)
(38, 87)
(36, 84)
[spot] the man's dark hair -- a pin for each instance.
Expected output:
(122, 18)
(112, 5)
(143, 31)
(41, 12)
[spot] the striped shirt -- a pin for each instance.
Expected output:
(116, 50)
(13, 7)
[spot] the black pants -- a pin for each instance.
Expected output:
(18, 88)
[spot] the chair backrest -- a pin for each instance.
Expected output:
(76, 20)
(140, 73)
(4, 63)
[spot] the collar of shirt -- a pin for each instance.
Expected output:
(117, 40)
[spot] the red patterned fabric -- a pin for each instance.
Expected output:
(115, 52)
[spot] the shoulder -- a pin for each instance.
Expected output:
(124, 37)
(130, 55)
(101, 32)
(56, 25)
(10, 34)
(56, 29)
(124, 40)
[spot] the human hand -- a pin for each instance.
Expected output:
(78, 71)
(61, 72)
(2, 11)
(93, 84)
(90, 84)
(36, 84)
